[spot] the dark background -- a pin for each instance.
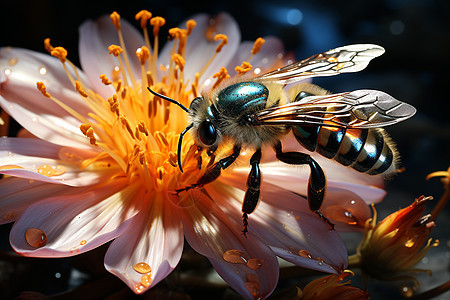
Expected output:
(414, 69)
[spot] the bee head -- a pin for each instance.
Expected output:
(202, 116)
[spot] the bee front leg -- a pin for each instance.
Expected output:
(317, 182)
(213, 172)
(253, 189)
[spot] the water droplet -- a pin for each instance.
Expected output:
(59, 170)
(83, 242)
(253, 288)
(10, 154)
(8, 71)
(425, 260)
(35, 237)
(12, 61)
(305, 254)
(320, 261)
(146, 280)
(407, 292)
(42, 70)
(409, 243)
(235, 256)
(58, 275)
(142, 268)
(46, 170)
(254, 263)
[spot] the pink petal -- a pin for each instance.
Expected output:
(76, 223)
(211, 233)
(18, 194)
(20, 97)
(284, 221)
(25, 157)
(154, 238)
(199, 49)
(95, 38)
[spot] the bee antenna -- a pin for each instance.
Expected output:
(180, 143)
(168, 99)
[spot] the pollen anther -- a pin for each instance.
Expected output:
(257, 45)
(115, 50)
(178, 60)
(60, 53)
(80, 89)
(243, 68)
(41, 87)
(105, 79)
(157, 22)
(115, 18)
(143, 16)
(224, 41)
(143, 54)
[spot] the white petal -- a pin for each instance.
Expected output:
(200, 49)
(95, 38)
(155, 238)
(284, 221)
(18, 194)
(26, 157)
(20, 97)
(211, 233)
(76, 223)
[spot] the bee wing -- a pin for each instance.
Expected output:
(351, 58)
(357, 109)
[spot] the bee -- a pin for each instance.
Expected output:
(255, 112)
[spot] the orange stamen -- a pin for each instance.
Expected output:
(243, 68)
(47, 45)
(105, 79)
(224, 41)
(221, 75)
(41, 87)
(157, 22)
(143, 16)
(115, 18)
(80, 89)
(178, 60)
(60, 53)
(143, 54)
(190, 25)
(88, 131)
(115, 50)
(257, 45)
(114, 104)
(175, 32)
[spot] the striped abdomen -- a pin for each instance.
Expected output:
(365, 150)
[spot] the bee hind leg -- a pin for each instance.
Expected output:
(317, 182)
(253, 189)
(213, 172)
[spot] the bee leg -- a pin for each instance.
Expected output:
(213, 172)
(317, 182)
(252, 194)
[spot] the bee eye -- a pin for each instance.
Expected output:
(207, 133)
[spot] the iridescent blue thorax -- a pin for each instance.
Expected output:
(243, 97)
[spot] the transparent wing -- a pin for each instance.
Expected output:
(351, 58)
(357, 109)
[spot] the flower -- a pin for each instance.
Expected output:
(331, 287)
(391, 248)
(103, 165)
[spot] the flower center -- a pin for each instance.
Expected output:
(138, 132)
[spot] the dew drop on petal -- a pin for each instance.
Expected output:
(407, 292)
(59, 170)
(42, 70)
(46, 170)
(254, 263)
(8, 71)
(146, 280)
(142, 268)
(320, 261)
(305, 254)
(253, 288)
(12, 61)
(235, 256)
(35, 237)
